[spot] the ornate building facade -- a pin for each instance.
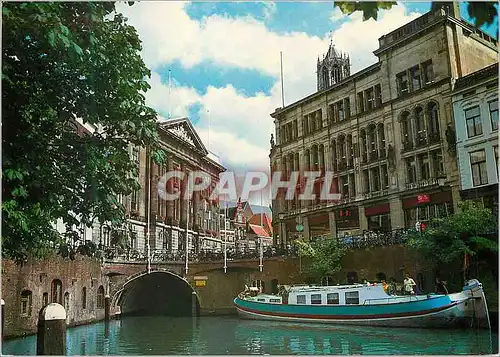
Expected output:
(386, 132)
(168, 220)
(334, 67)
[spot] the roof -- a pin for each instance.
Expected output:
(475, 78)
(258, 230)
(183, 130)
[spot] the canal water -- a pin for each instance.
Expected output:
(230, 335)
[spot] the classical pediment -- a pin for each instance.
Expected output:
(183, 130)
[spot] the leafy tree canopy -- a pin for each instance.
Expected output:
(468, 231)
(324, 256)
(61, 61)
(481, 12)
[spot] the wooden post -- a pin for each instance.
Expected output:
(193, 304)
(107, 307)
(51, 336)
(3, 318)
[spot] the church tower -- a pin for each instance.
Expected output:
(334, 67)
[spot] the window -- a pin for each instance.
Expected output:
(100, 297)
(340, 111)
(315, 299)
(56, 291)
(375, 179)
(473, 120)
(261, 300)
(494, 114)
(301, 299)
(411, 174)
(332, 298)
(433, 123)
(26, 303)
(378, 96)
(347, 108)
(478, 168)
(352, 298)
(437, 163)
(402, 81)
(416, 77)
(420, 124)
(424, 166)
(384, 177)
(274, 300)
(84, 298)
(366, 181)
(370, 99)
(134, 201)
(495, 151)
(45, 299)
(361, 103)
(407, 131)
(428, 71)
(352, 186)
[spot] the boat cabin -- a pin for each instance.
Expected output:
(336, 295)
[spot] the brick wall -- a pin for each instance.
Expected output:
(37, 277)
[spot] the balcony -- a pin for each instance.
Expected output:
(373, 155)
(421, 184)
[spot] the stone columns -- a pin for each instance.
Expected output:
(397, 213)
(333, 224)
(363, 222)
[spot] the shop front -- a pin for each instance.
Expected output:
(424, 207)
(347, 221)
(378, 217)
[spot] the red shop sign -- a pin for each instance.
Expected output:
(423, 199)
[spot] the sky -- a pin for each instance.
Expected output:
(218, 63)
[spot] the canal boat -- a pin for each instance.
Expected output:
(367, 304)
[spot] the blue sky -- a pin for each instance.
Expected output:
(225, 66)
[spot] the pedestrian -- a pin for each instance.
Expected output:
(441, 287)
(408, 284)
(391, 289)
(385, 285)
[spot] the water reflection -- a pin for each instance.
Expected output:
(229, 335)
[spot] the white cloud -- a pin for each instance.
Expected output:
(337, 15)
(241, 125)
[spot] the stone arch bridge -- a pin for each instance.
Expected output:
(206, 289)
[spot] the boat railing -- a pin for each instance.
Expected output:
(387, 299)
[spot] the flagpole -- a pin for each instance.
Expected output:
(225, 237)
(282, 90)
(187, 225)
(169, 97)
(148, 244)
(262, 228)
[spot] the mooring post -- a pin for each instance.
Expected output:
(3, 318)
(193, 304)
(51, 335)
(107, 307)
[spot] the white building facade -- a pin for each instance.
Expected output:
(475, 110)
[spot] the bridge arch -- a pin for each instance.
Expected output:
(161, 292)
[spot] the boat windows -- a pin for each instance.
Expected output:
(352, 298)
(274, 300)
(332, 298)
(315, 299)
(301, 299)
(261, 300)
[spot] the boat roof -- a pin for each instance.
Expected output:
(312, 288)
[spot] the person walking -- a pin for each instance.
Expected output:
(408, 285)
(441, 287)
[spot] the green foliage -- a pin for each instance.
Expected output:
(467, 231)
(483, 13)
(324, 256)
(63, 61)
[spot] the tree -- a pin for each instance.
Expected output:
(324, 256)
(469, 231)
(481, 12)
(63, 61)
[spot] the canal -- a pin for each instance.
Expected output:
(229, 335)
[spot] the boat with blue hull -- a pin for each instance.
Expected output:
(361, 304)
